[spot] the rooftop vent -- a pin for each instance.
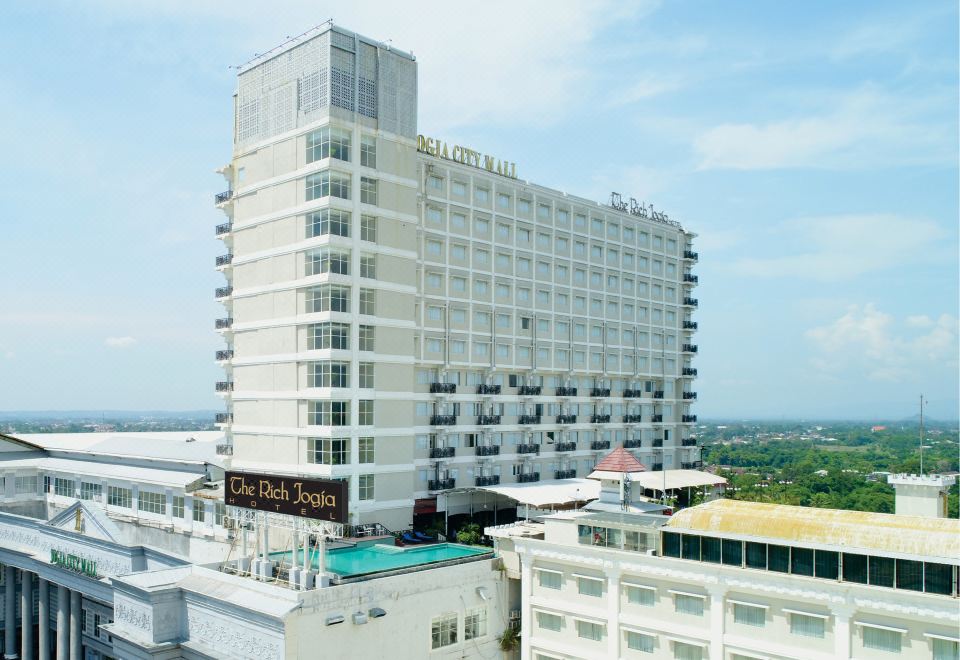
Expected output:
(334, 619)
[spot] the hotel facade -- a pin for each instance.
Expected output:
(409, 314)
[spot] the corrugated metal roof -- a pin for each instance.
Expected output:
(850, 531)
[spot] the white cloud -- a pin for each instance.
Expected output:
(921, 321)
(120, 342)
(839, 247)
(646, 87)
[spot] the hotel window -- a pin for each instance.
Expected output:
(327, 184)
(368, 190)
(481, 195)
(613, 231)
(365, 487)
(523, 265)
(366, 449)
(543, 297)
(219, 513)
(435, 182)
(367, 334)
(596, 252)
(179, 507)
(458, 284)
(657, 242)
(562, 244)
(459, 188)
(368, 228)
(434, 215)
(368, 301)
(481, 349)
(503, 200)
(945, 649)
(481, 287)
(328, 298)
(613, 257)
(596, 225)
(365, 412)
(481, 226)
(121, 497)
(325, 260)
(90, 491)
(26, 485)
(596, 280)
(589, 586)
(579, 303)
(627, 234)
(640, 642)
(503, 231)
(152, 502)
(443, 631)
(328, 413)
(543, 269)
(882, 639)
(563, 216)
(503, 290)
(579, 276)
(475, 624)
(366, 375)
(523, 235)
(328, 374)
(457, 347)
(328, 143)
(548, 621)
(503, 350)
(199, 511)
(503, 320)
(328, 222)
(688, 604)
(64, 487)
(503, 262)
(579, 249)
(543, 211)
(806, 625)
(550, 579)
(434, 248)
(458, 221)
(328, 335)
(368, 151)
(682, 651)
(590, 630)
(523, 206)
(523, 295)
(368, 266)
(328, 451)
(749, 615)
(641, 595)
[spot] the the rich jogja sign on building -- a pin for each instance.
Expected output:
(465, 156)
(640, 210)
(306, 498)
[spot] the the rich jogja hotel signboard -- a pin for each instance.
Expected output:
(320, 499)
(465, 156)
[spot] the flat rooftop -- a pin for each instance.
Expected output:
(187, 446)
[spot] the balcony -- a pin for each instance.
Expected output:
(688, 442)
(688, 254)
(690, 279)
(443, 420)
(225, 228)
(600, 444)
(566, 391)
(692, 465)
(565, 446)
(223, 324)
(690, 302)
(224, 355)
(443, 388)
(222, 198)
(658, 394)
(443, 452)
(599, 419)
(487, 450)
(492, 480)
(222, 292)
(529, 390)
(528, 478)
(223, 418)
(657, 467)
(225, 449)
(566, 419)
(632, 419)
(632, 444)
(224, 386)
(632, 394)
(488, 420)
(689, 418)
(656, 419)
(657, 442)
(488, 389)
(690, 325)
(441, 484)
(224, 260)
(528, 419)
(689, 348)
(528, 449)
(565, 474)
(600, 391)
(689, 371)
(690, 395)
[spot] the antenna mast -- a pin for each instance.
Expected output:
(921, 435)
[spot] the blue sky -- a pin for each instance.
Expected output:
(812, 146)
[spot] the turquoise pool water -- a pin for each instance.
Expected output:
(361, 560)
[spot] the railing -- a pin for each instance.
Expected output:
(225, 196)
(529, 390)
(492, 480)
(566, 391)
(600, 444)
(692, 302)
(689, 371)
(658, 394)
(225, 228)
(528, 419)
(565, 474)
(365, 529)
(689, 418)
(443, 452)
(441, 484)
(488, 420)
(443, 420)
(689, 348)
(689, 395)
(565, 446)
(657, 442)
(689, 254)
(632, 444)
(693, 465)
(528, 477)
(566, 419)
(600, 391)
(222, 292)
(656, 467)
(225, 449)
(528, 449)
(692, 279)
(224, 386)
(443, 388)
(599, 419)
(690, 325)
(226, 354)
(688, 442)
(632, 419)
(656, 419)
(223, 324)
(224, 259)
(488, 389)
(223, 418)
(487, 450)
(632, 394)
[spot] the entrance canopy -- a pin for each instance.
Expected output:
(675, 480)
(544, 494)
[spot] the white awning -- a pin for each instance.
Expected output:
(669, 479)
(549, 493)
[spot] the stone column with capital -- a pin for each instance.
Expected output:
(26, 615)
(10, 612)
(526, 614)
(717, 616)
(75, 614)
(63, 622)
(43, 616)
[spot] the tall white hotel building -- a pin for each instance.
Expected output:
(409, 314)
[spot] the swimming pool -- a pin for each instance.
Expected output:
(362, 560)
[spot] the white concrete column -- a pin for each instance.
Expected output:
(169, 509)
(526, 613)
(135, 500)
(717, 617)
(613, 613)
(188, 513)
(841, 632)
(26, 615)
(75, 626)
(63, 622)
(43, 617)
(10, 612)
(210, 519)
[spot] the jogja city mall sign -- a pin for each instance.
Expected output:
(461, 154)
(320, 499)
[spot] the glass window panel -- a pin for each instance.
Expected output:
(710, 549)
(732, 552)
(691, 547)
(881, 571)
(801, 561)
(639, 642)
(671, 544)
(945, 649)
(749, 615)
(909, 575)
(807, 626)
(855, 568)
(683, 651)
(827, 564)
(938, 579)
(882, 640)
(756, 555)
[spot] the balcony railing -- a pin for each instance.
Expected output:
(443, 452)
(565, 474)
(226, 354)
(441, 484)
(488, 389)
(225, 449)
(689, 395)
(225, 196)
(690, 325)
(223, 418)
(691, 279)
(223, 324)
(632, 394)
(657, 442)
(691, 302)
(492, 480)
(528, 477)
(224, 386)
(632, 444)
(528, 419)
(488, 420)
(689, 254)
(565, 446)
(443, 420)
(600, 391)
(225, 228)
(566, 391)
(689, 348)
(632, 419)
(528, 449)
(488, 450)
(600, 444)
(656, 467)
(222, 292)
(689, 418)
(658, 394)
(443, 388)
(689, 371)
(224, 260)
(599, 419)
(566, 419)
(688, 442)
(692, 465)
(529, 390)
(656, 419)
